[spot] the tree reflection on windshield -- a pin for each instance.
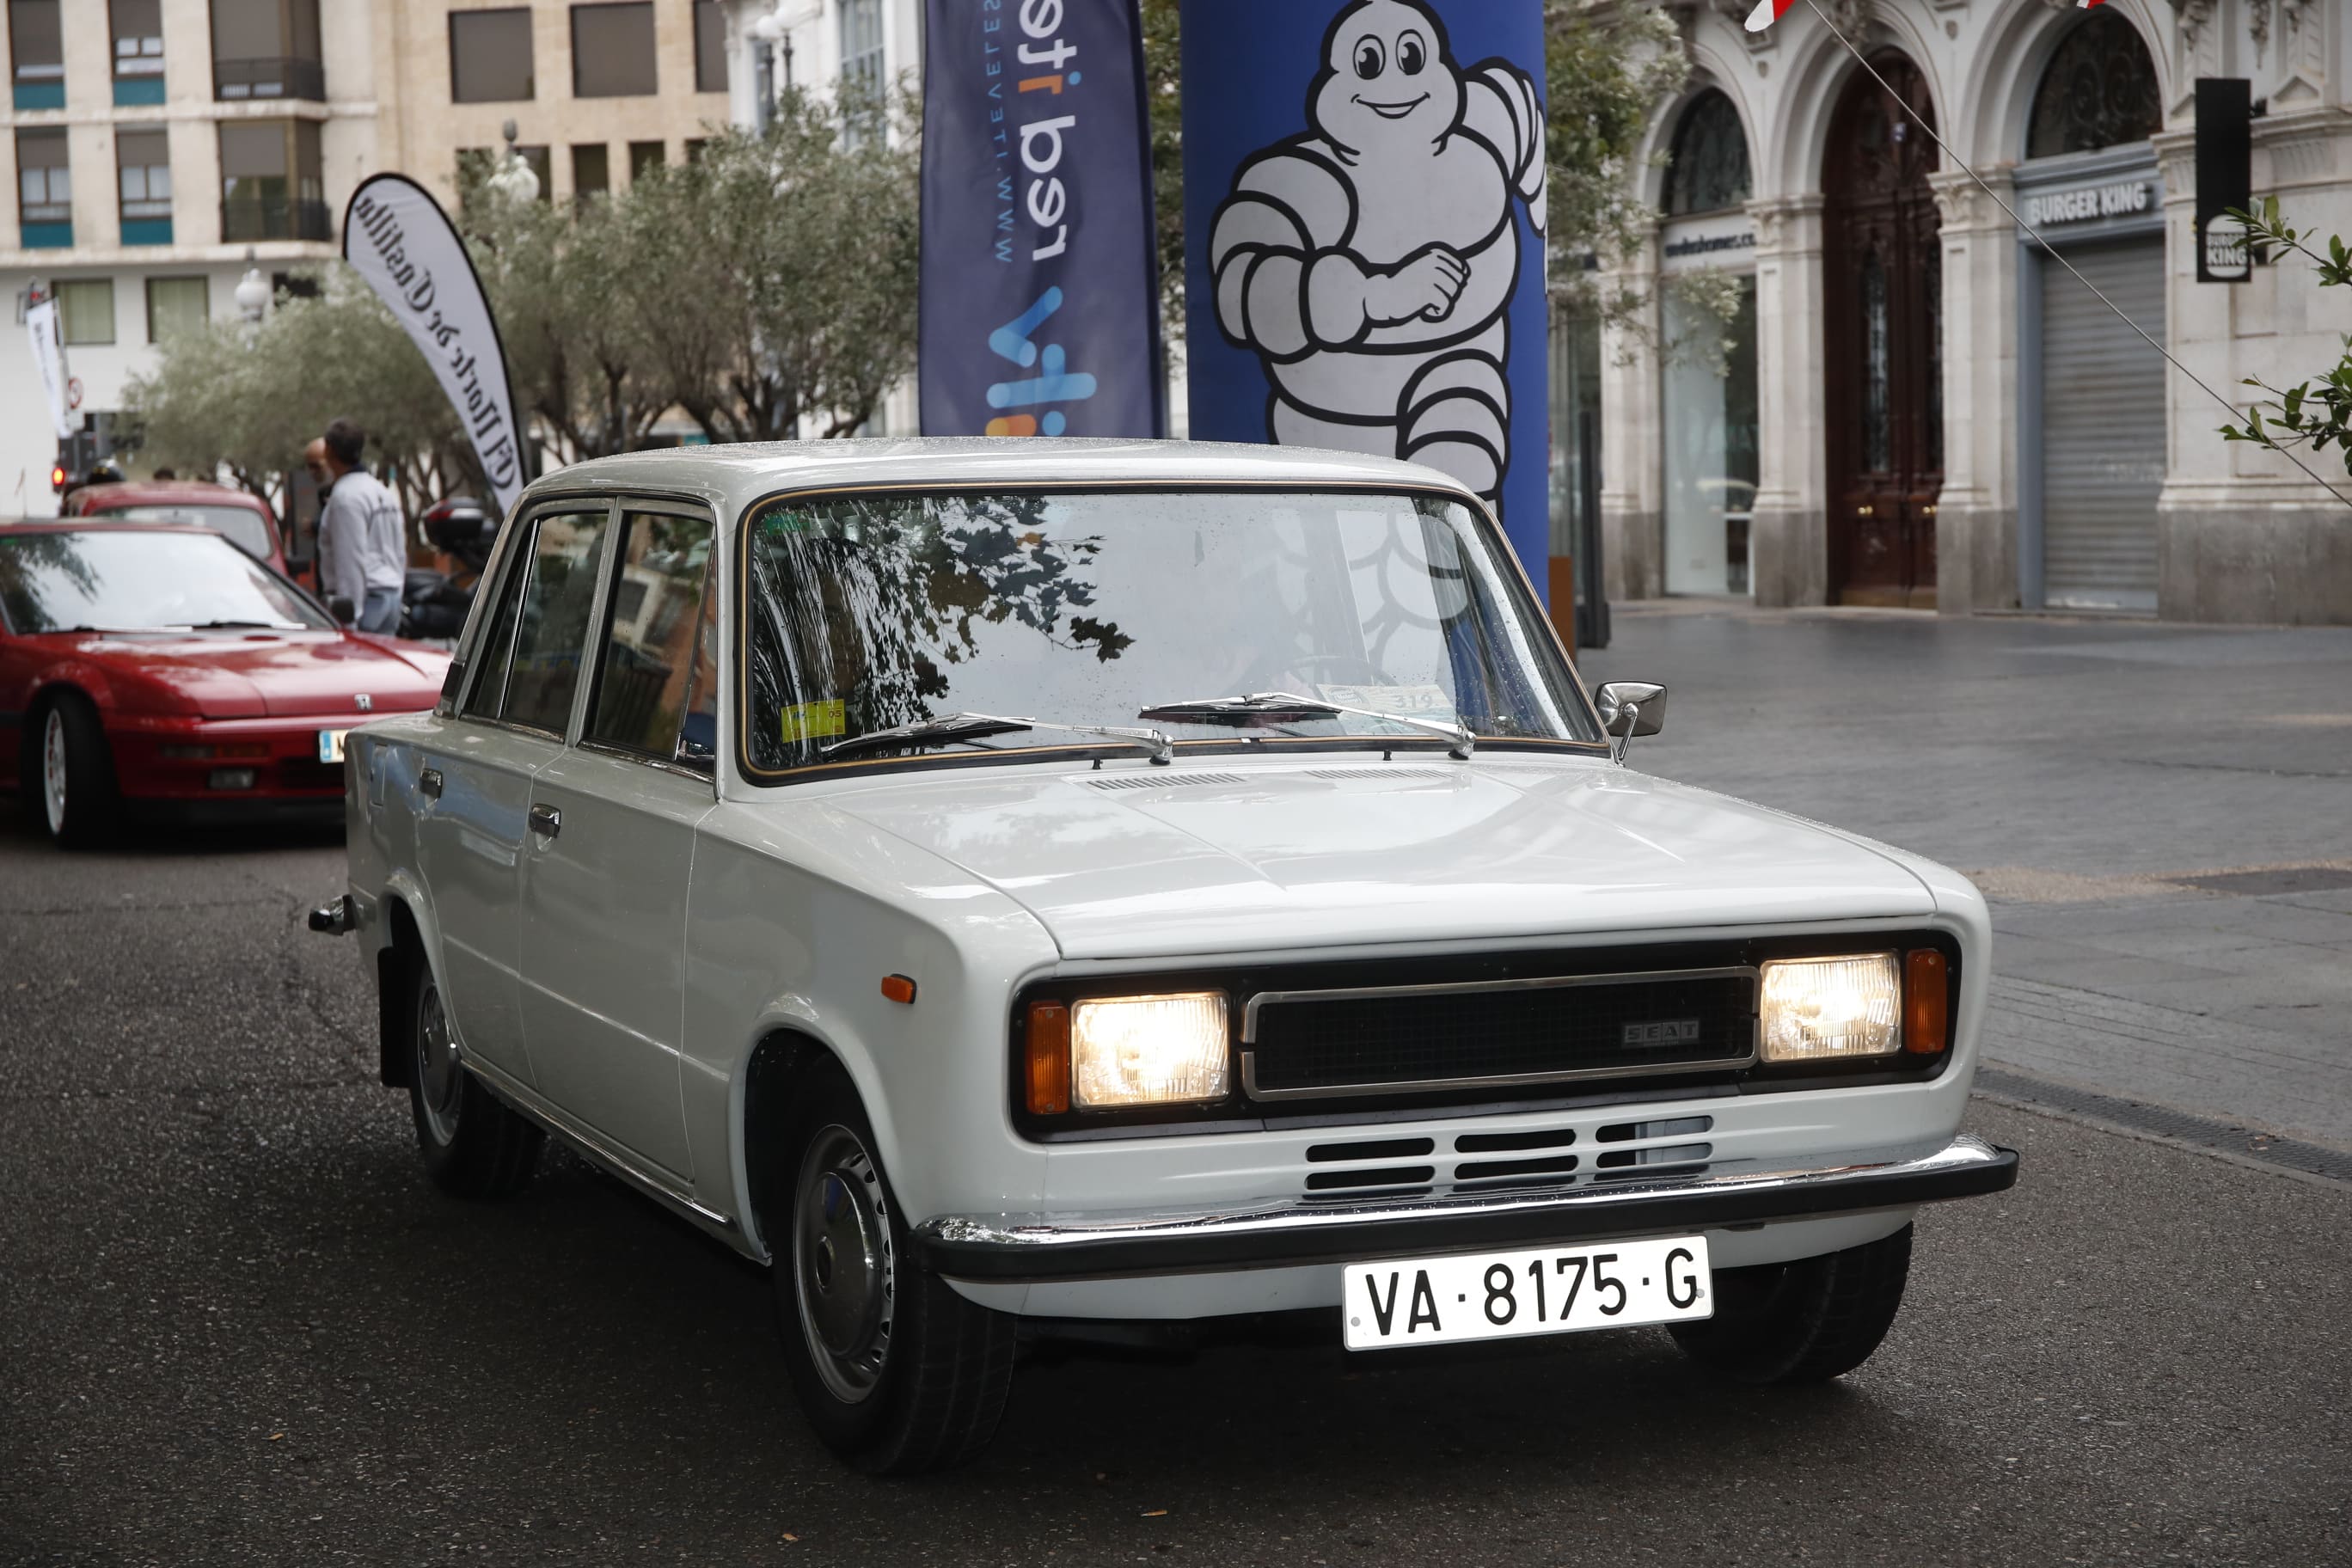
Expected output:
(872, 612)
(140, 579)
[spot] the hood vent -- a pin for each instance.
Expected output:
(1382, 773)
(1163, 781)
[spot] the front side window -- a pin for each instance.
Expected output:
(645, 673)
(125, 579)
(613, 50)
(865, 613)
(490, 55)
(547, 623)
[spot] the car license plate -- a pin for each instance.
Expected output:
(1504, 1295)
(331, 745)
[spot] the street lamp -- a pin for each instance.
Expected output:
(515, 180)
(252, 291)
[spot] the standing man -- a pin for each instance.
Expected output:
(362, 547)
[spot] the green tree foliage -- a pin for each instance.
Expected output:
(768, 284)
(2317, 412)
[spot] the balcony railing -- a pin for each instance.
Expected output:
(246, 221)
(269, 78)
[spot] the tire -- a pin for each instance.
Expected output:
(1806, 1321)
(473, 1145)
(69, 772)
(896, 1372)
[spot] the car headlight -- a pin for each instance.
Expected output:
(1825, 1009)
(1145, 1051)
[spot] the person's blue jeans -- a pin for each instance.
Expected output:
(380, 612)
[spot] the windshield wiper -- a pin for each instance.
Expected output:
(1273, 707)
(956, 727)
(243, 626)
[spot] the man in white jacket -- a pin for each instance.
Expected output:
(363, 541)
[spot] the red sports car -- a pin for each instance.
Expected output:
(159, 669)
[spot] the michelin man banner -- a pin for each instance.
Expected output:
(1040, 288)
(1365, 215)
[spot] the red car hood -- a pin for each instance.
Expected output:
(252, 675)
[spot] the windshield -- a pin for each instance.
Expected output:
(873, 611)
(120, 579)
(239, 526)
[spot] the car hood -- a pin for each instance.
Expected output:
(240, 675)
(1142, 862)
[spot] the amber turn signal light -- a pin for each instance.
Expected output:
(1048, 1077)
(897, 988)
(1926, 1011)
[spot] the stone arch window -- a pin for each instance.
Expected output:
(2100, 90)
(1708, 168)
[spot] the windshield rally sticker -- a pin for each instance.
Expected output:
(814, 720)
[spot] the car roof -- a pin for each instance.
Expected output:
(733, 476)
(160, 492)
(104, 525)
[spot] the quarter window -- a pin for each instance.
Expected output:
(546, 626)
(646, 671)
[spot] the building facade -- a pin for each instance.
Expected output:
(156, 150)
(1856, 380)
(159, 149)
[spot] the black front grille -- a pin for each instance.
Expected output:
(1307, 1045)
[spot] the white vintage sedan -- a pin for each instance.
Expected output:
(1016, 887)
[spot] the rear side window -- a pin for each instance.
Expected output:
(647, 666)
(531, 658)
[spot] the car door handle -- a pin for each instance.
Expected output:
(429, 780)
(546, 821)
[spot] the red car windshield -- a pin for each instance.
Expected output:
(133, 580)
(239, 526)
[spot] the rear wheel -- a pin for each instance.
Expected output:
(70, 782)
(1805, 1322)
(896, 1372)
(473, 1146)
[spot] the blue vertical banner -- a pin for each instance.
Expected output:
(1040, 280)
(1364, 221)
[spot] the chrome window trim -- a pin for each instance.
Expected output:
(1514, 1081)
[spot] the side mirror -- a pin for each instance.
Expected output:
(1631, 708)
(342, 609)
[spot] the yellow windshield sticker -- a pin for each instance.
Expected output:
(814, 720)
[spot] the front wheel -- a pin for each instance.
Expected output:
(895, 1372)
(1805, 1322)
(74, 774)
(473, 1146)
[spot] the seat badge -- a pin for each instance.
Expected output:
(1662, 1032)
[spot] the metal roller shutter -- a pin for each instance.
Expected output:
(2102, 428)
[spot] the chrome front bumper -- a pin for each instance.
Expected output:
(1285, 1233)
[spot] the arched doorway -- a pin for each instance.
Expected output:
(1882, 308)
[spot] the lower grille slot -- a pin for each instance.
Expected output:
(1380, 1148)
(1388, 1176)
(1481, 1169)
(1671, 1154)
(1641, 1131)
(1498, 1142)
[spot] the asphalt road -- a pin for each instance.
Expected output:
(237, 1326)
